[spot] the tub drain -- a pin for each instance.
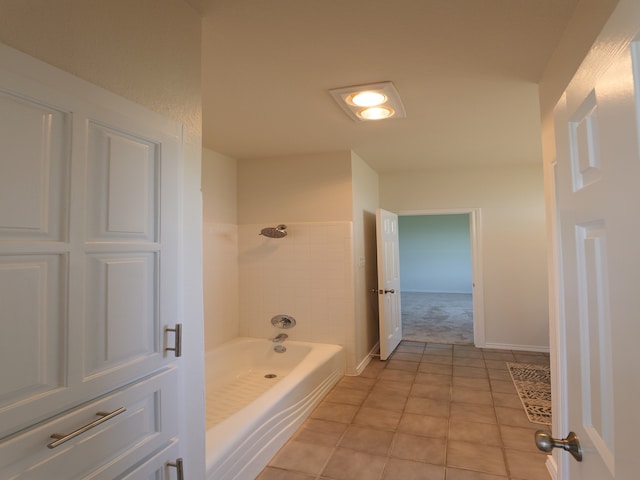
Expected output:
(270, 375)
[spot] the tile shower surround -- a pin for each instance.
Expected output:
(307, 274)
(431, 412)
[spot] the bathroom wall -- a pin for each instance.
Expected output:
(220, 252)
(514, 270)
(309, 273)
(365, 203)
(147, 51)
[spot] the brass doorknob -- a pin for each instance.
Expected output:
(546, 443)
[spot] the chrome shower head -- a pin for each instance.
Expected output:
(277, 232)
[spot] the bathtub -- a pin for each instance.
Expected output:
(257, 398)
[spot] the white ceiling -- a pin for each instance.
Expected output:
(467, 72)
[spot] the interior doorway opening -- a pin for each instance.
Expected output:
(439, 268)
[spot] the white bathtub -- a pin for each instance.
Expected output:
(267, 411)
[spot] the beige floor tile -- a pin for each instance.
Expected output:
(398, 469)
(396, 375)
(530, 357)
(302, 457)
(366, 439)
(427, 406)
(385, 401)
(463, 361)
(475, 383)
(470, 395)
(418, 448)
(515, 417)
(392, 388)
(433, 378)
(467, 352)
(511, 400)
(499, 374)
(335, 412)
(320, 432)
(439, 392)
(480, 433)
(356, 383)
(473, 456)
(435, 368)
(271, 473)
(473, 372)
(472, 412)
(372, 370)
(424, 425)
(410, 348)
(407, 356)
(407, 366)
(377, 418)
(456, 474)
(346, 395)
(347, 464)
(503, 386)
(519, 438)
(526, 465)
(496, 364)
(505, 355)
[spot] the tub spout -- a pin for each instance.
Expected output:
(281, 337)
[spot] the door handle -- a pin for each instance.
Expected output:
(65, 437)
(382, 292)
(546, 443)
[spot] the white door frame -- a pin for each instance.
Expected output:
(475, 240)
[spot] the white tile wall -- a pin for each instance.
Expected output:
(308, 274)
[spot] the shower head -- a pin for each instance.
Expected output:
(277, 232)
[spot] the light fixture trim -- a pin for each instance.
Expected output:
(344, 97)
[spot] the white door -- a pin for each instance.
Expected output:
(89, 204)
(388, 282)
(598, 207)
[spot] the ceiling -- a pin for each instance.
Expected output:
(467, 72)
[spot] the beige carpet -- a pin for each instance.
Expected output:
(437, 317)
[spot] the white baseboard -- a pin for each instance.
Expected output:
(363, 364)
(508, 346)
(552, 466)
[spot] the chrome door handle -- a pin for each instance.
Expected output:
(546, 443)
(178, 465)
(104, 416)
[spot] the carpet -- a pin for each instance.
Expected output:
(437, 317)
(533, 383)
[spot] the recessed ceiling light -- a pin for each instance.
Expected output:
(367, 99)
(380, 99)
(376, 113)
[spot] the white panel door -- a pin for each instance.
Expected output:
(598, 197)
(390, 317)
(89, 204)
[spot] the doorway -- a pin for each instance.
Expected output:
(439, 266)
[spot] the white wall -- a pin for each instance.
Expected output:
(220, 248)
(147, 51)
(365, 202)
(513, 242)
(435, 253)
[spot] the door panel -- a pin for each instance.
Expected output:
(390, 316)
(89, 267)
(598, 174)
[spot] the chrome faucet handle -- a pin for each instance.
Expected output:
(283, 321)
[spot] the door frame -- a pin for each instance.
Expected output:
(475, 242)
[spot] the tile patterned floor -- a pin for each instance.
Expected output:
(431, 412)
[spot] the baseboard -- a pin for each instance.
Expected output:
(363, 364)
(552, 466)
(508, 346)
